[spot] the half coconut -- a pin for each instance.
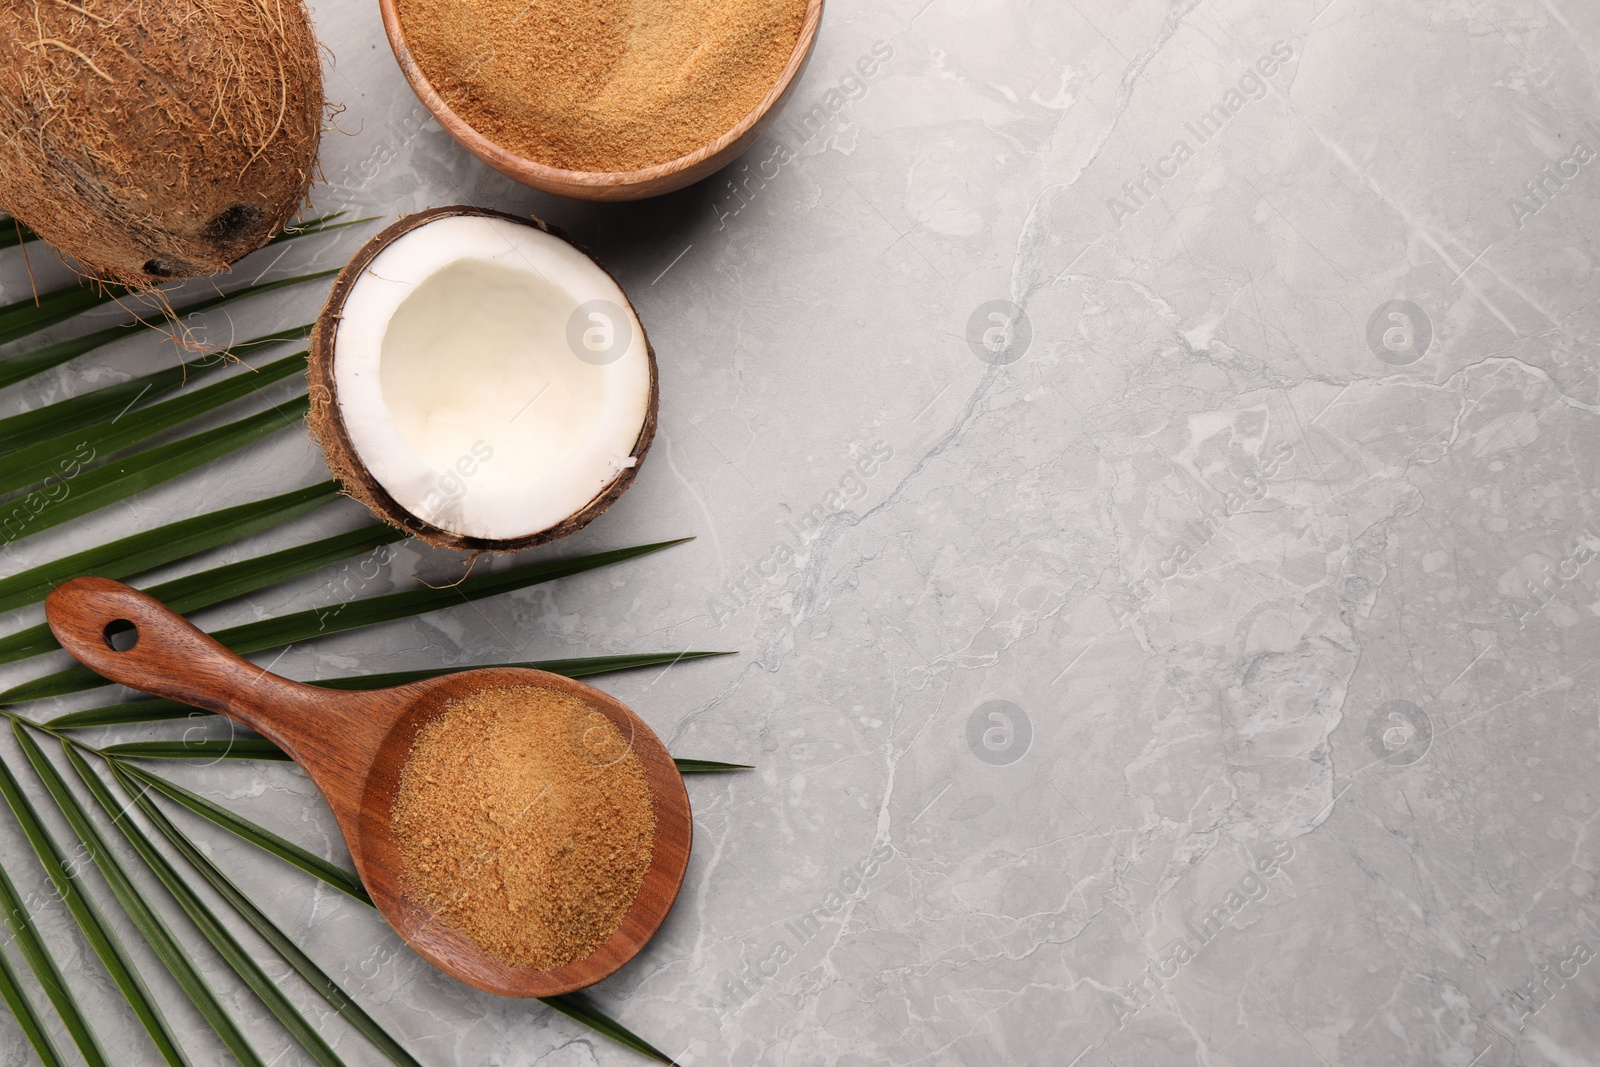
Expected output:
(479, 381)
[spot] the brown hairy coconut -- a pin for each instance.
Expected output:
(156, 140)
(480, 382)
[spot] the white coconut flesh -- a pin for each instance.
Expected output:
(490, 377)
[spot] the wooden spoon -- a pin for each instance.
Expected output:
(353, 745)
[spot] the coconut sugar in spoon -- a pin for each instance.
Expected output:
(353, 745)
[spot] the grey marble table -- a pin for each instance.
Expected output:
(1144, 456)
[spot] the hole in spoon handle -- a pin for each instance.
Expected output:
(132, 638)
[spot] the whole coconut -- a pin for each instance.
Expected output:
(155, 140)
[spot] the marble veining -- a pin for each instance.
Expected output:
(1144, 456)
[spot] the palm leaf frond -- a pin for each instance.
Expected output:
(320, 224)
(47, 976)
(94, 406)
(27, 1018)
(210, 748)
(13, 233)
(257, 748)
(91, 923)
(225, 944)
(706, 766)
(262, 838)
(106, 484)
(581, 667)
(579, 1007)
(291, 954)
(355, 614)
(221, 584)
(19, 366)
(41, 459)
(176, 541)
(350, 615)
(151, 927)
(29, 316)
(159, 710)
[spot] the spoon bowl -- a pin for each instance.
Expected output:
(353, 745)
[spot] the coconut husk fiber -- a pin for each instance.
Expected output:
(156, 139)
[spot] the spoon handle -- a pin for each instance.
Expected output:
(165, 655)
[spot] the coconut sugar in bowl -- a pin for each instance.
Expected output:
(603, 99)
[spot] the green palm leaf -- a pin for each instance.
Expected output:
(256, 748)
(221, 584)
(259, 836)
(90, 922)
(155, 932)
(336, 618)
(264, 927)
(211, 748)
(581, 667)
(13, 233)
(27, 1019)
(320, 224)
(579, 1007)
(86, 409)
(118, 480)
(48, 977)
(159, 710)
(35, 462)
(226, 945)
(355, 614)
(706, 766)
(45, 310)
(141, 552)
(214, 586)
(16, 367)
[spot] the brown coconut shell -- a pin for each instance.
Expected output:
(327, 422)
(150, 141)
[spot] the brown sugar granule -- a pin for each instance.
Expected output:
(602, 85)
(524, 823)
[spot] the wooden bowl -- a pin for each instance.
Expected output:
(612, 185)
